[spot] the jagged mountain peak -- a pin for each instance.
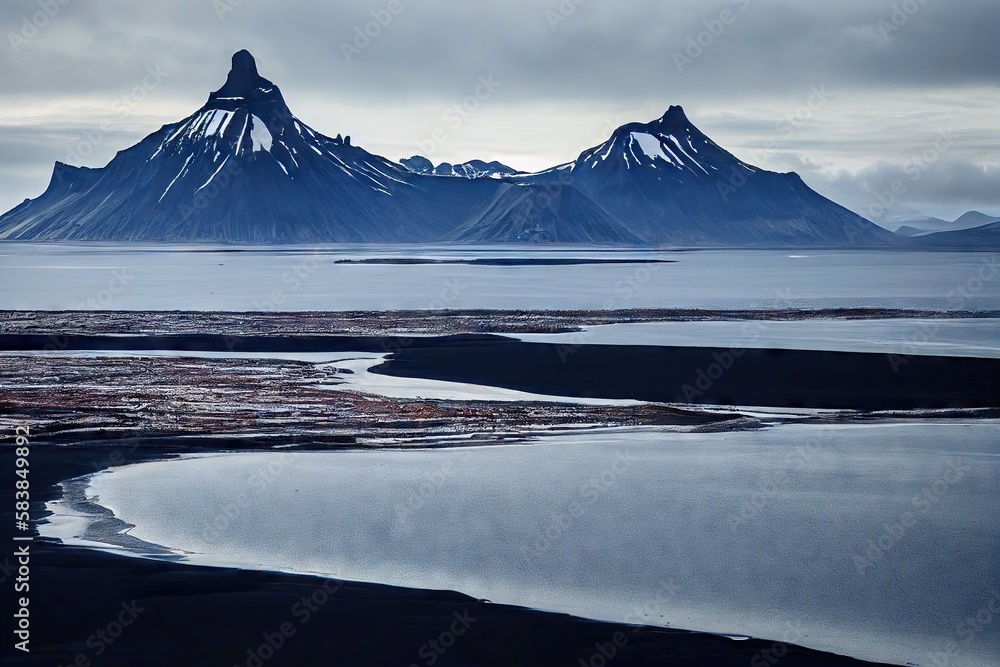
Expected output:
(243, 76)
(246, 88)
(247, 120)
(673, 120)
(240, 168)
(243, 169)
(670, 143)
(472, 169)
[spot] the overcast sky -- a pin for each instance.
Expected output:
(857, 96)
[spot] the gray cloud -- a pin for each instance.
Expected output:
(889, 191)
(434, 47)
(564, 73)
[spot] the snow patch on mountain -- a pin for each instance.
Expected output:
(218, 121)
(179, 174)
(260, 135)
(210, 177)
(651, 146)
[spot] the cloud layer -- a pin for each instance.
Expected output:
(387, 71)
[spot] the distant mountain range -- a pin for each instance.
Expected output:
(244, 169)
(929, 225)
(986, 236)
(471, 169)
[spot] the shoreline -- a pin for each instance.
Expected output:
(423, 322)
(658, 374)
(225, 615)
(759, 377)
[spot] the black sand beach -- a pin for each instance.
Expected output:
(95, 608)
(716, 376)
(701, 375)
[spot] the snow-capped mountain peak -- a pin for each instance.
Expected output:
(247, 115)
(663, 148)
(247, 119)
(669, 143)
(471, 170)
(243, 169)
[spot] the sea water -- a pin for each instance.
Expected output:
(878, 541)
(124, 277)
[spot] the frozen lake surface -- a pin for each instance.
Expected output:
(65, 277)
(876, 541)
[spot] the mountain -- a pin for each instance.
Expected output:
(669, 183)
(973, 219)
(531, 213)
(926, 225)
(983, 237)
(907, 230)
(918, 225)
(418, 164)
(471, 169)
(243, 169)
